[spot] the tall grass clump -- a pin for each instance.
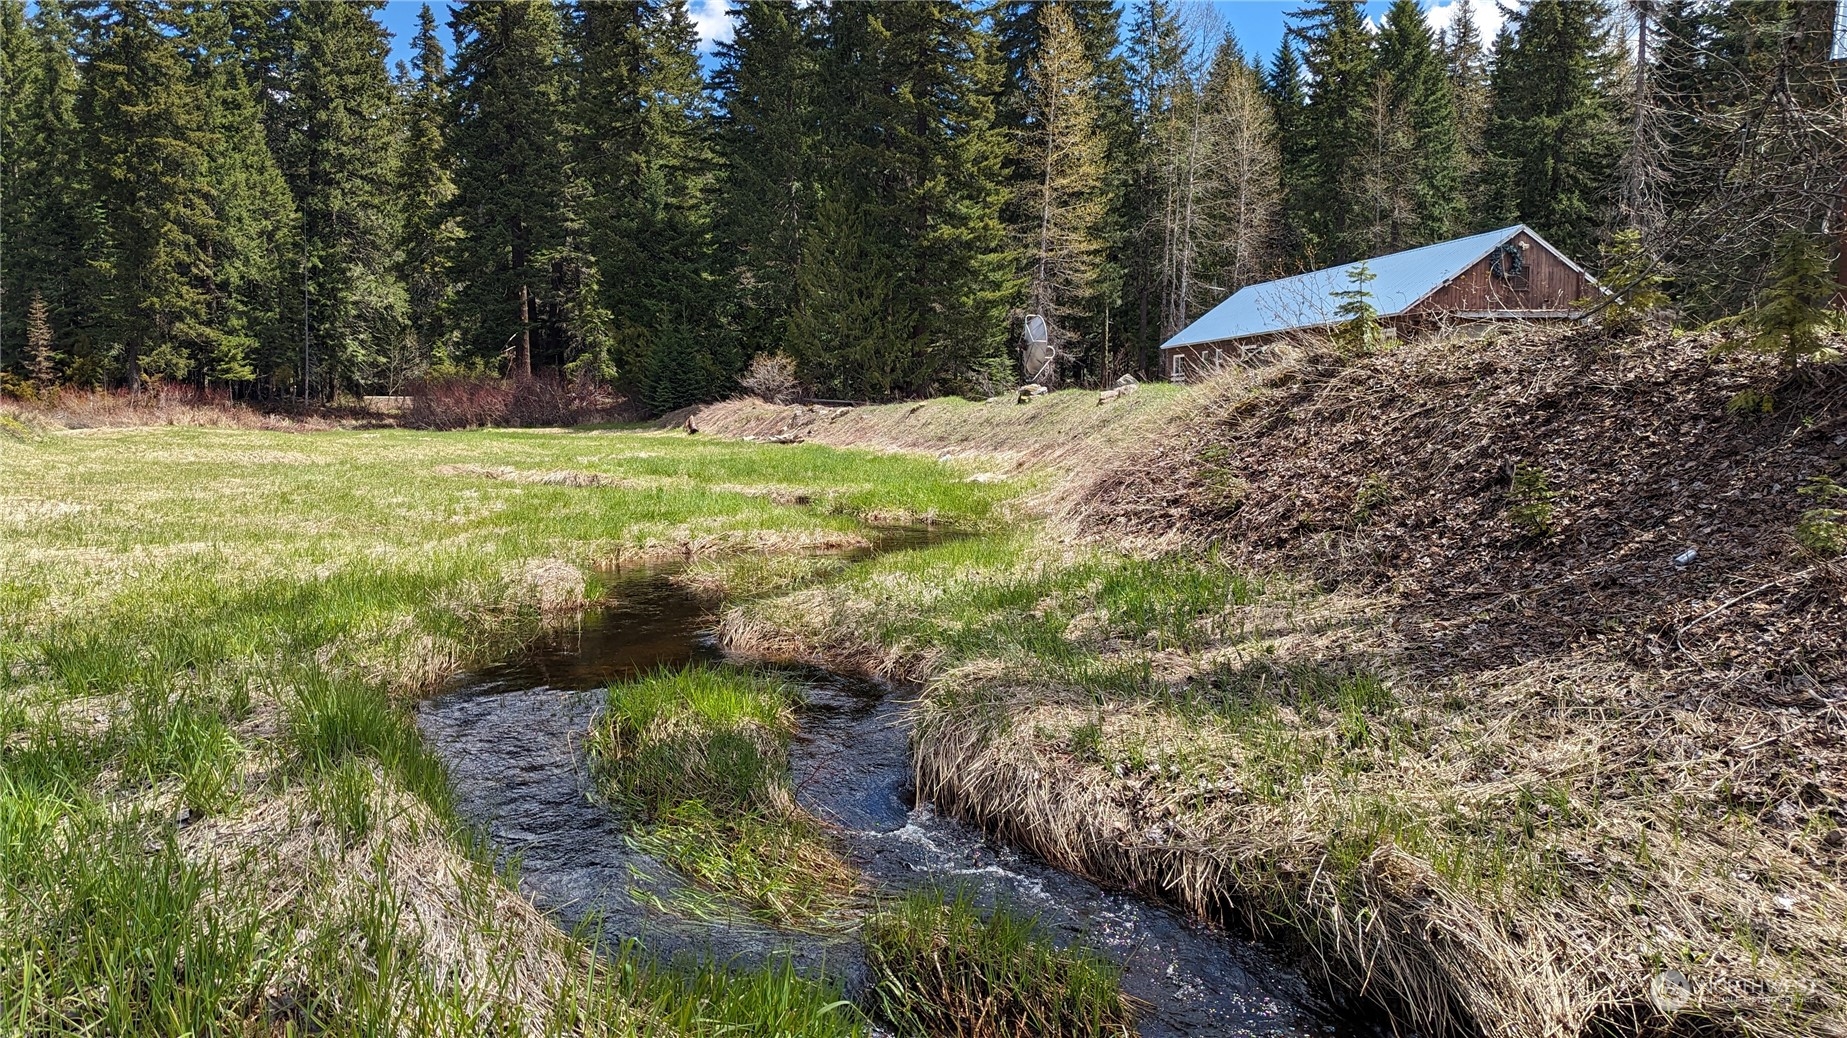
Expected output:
(700, 758)
(331, 720)
(941, 966)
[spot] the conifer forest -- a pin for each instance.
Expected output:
(247, 195)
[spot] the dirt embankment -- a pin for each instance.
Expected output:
(1527, 497)
(1064, 431)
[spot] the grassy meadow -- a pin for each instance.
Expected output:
(215, 813)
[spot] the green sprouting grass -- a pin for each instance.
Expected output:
(215, 628)
(700, 756)
(942, 966)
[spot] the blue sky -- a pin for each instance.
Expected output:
(1258, 23)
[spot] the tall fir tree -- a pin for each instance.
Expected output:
(148, 144)
(1065, 208)
(424, 188)
(1418, 162)
(1288, 96)
(255, 250)
(1555, 136)
(1465, 56)
(338, 157)
(668, 267)
(1337, 131)
(43, 224)
(764, 140)
(1167, 114)
(913, 162)
(513, 191)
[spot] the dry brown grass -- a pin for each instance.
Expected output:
(1062, 432)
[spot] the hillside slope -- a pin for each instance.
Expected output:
(1527, 496)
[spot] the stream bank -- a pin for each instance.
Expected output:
(513, 739)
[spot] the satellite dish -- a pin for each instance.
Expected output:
(1038, 355)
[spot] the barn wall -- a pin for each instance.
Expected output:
(1549, 283)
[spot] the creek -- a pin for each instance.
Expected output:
(513, 739)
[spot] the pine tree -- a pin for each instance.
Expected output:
(1237, 191)
(338, 157)
(1064, 153)
(1337, 129)
(424, 188)
(255, 300)
(662, 264)
(44, 225)
(1359, 331)
(765, 138)
(1288, 100)
(1555, 138)
(1418, 159)
(147, 148)
(1466, 61)
(513, 194)
(912, 153)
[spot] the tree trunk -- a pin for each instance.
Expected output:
(522, 359)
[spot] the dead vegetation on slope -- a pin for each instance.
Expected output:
(1527, 496)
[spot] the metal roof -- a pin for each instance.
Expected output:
(1401, 280)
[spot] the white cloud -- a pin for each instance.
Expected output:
(712, 19)
(1487, 14)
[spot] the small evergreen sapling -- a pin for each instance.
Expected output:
(1360, 332)
(1822, 530)
(1793, 315)
(1635, 278)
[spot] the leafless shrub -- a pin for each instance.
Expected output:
(771, 378)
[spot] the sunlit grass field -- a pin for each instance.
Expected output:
(215, 814)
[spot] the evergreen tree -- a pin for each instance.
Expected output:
(424, 188)
(148, 142)
(1064, 154)
(1337, 130)
(913, 161)
(1167, 111)
(43, 225)
(255, 250)
(1419, 161)
(513, 195)
(41, 361)
(1554, 137)
(764, 139)
(661, 265)
(1288, 100)
(1466, 61)
(338, 157)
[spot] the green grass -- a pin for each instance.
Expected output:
(942, 966)
(700, 757)
(210, 791)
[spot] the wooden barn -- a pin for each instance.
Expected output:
(1507, 275)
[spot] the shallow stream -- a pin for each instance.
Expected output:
(513, 738)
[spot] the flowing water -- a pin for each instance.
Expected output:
(513, 740)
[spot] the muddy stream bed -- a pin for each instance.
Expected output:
(513, 739)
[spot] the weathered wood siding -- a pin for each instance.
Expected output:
(1548, 283)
